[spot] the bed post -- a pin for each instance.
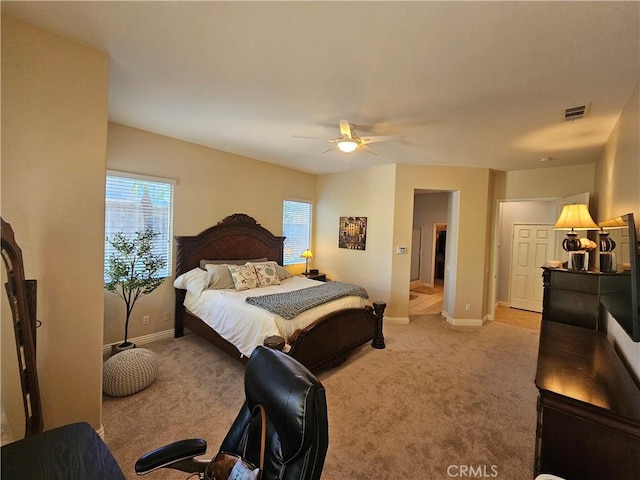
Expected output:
(378, 313)
(178, 329)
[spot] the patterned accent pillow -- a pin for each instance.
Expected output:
(267, 273)
(244, 276)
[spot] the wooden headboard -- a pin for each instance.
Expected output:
(236, 237)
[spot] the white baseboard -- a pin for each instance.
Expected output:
(462, 322)
(152, 337)
(465, 322)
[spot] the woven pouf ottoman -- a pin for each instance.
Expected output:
(129, 372)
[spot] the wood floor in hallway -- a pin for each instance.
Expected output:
(425, 300)
(428, 300)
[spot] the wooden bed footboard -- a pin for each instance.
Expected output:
(328, 341)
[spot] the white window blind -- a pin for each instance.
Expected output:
(296, 227)
(135, 202)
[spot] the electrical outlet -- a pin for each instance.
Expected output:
(467, 307)
(145, 320)
(167, 316)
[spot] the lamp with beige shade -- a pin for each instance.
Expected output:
(574, 217)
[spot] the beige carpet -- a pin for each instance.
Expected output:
(436, 400)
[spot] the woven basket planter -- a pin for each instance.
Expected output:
(129, 371)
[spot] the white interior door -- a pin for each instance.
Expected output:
(532, 247)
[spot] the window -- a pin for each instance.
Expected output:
(296, 227)
(135, 202)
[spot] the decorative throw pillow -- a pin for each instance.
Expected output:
(219, 277)
(244, 276)
(283, 274)
(267, 273)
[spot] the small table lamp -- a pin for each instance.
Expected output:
(575, 217)
(306, 255)
(607, 245)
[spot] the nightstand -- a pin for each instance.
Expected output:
(322, 277)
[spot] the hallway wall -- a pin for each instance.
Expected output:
(429, 208)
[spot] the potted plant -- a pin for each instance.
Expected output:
(133, 271)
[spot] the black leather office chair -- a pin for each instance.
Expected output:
(297, 429)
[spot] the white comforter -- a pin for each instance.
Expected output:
(246, 326)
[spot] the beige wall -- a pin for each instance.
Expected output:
(467, 230)
(618, 192)
(211, 184)
(54, 133)
(365, 193)
(552, 182)
(617, 179)
(385, 196)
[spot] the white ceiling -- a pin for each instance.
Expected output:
(468, 83)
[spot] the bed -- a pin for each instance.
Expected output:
(318, 343)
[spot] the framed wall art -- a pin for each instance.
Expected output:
(353, 233)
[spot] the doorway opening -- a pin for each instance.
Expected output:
(505, 286)
(428, 251)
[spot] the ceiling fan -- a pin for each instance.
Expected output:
(349, 140)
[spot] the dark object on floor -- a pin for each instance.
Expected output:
(72, 452)
(297, 428)
(22, 299)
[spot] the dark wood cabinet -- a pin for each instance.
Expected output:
(574, 297)
(588, 407)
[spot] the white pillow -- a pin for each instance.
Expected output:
(244, 276)
(219, 277)
(194, 281)
(267, 273)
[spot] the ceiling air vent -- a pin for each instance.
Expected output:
(575, 113)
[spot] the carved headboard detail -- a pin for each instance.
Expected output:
(236, 237)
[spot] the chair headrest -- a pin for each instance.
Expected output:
(291, 395)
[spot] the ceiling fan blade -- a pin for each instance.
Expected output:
(345, 128)
(314, 138)
(380, 138)
(326, 151)
(368, 149)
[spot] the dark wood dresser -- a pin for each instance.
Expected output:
(588, 407)
(574, 297)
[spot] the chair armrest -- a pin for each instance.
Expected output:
(178, 455)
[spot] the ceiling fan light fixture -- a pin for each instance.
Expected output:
(347, 146)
